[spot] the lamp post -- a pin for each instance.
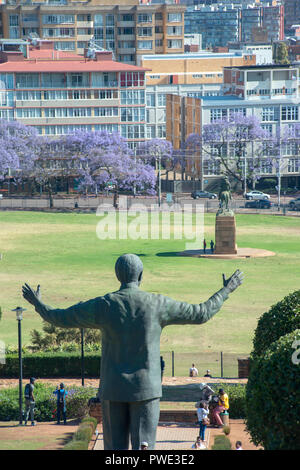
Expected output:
(82, 356)
(19, 316)
(158, 162)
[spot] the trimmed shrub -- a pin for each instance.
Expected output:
(221, 443)
(76, 445)
(45, 410)
(91, 421)
(83, 433)
(273, 396)
(51, 365)
(281, 319)
(226, 430)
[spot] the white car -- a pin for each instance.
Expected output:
(256, 195)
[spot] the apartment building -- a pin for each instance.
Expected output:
(191, 75)
(277, 111)
(262, 23)
(125, 27)
(220, 24)
(59, 92)
(291, 14)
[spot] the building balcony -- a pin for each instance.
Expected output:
(126, 37)
(57, 121)
(126, 24)
(85, 24)
(124, 50)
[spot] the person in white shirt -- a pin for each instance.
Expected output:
(238, 445)
(202, 413)
(193, 371)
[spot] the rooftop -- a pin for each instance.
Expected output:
(43, 58)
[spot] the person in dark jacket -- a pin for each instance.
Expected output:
(61, 394)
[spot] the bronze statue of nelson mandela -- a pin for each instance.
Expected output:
(131, 322)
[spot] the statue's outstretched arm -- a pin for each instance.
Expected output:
(182, 313)
(82, 315)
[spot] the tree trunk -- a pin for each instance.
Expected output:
(51, 203)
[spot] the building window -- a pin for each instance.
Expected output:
(29, 113)
(174, 30)
(132, 79)
(150, 132)
(174, 43)
(145, 45)
(294, 165)
(133, 97)
(270, 113)
(145, 31)
(161, 99)
(6, 80)
(58, 19)
(133, 114)
(289, 113)
(174, 17)
(133, 131)
(150, 99)
(161, 131)
(217, 113)
(211, 167)
(144, 18)
(27, 80)
(268, 128)
(64, 45)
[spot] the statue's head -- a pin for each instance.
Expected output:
(129, 268)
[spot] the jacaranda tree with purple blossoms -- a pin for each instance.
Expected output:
(106, 158)
(18, 149)
(238, 146)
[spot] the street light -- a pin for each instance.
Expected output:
(19, 316)
(82, 356)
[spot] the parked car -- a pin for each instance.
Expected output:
(198, 194)
(258, 204)
(294, 204)
(256, 195)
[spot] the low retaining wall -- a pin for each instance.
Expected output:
(166, 416)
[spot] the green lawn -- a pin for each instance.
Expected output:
(63, 254)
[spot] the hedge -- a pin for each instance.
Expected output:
(273, 396)
(46, 365)
(45, 409)
(237, 399)
(83, 435)
(221, 443)
(281, 319)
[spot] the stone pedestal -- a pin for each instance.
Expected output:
(225, 235)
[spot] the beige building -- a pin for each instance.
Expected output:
(192, 68)
(192, 75)
(124, 26)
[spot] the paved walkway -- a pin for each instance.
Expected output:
(180, 436)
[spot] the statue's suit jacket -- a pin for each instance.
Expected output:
(131, 322)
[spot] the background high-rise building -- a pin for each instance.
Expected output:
(124, 26)
(291, 14)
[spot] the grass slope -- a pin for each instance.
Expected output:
(63, 254)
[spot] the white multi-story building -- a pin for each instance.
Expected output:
(271, 93)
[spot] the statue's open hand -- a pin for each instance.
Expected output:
(234, 281)
(32, 296)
